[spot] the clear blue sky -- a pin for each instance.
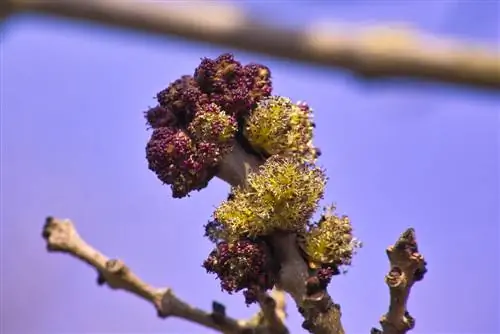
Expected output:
(398, 154)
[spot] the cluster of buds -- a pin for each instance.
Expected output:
(277, 126)
(242, 265)
(325, 274)
(281, 196)
(177, 161)
(195, 123)
(329, 244)
(234, 87)
(212, 124)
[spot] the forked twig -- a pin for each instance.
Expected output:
(61, 236)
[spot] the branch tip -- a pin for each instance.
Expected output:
(407, 266)
(218, 312)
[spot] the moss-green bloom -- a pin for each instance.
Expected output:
(330, 240)
(278, 126)
(212, 124)
(281, 196)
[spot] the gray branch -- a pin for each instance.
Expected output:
(389, 52)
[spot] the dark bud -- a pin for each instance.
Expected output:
(158, 116)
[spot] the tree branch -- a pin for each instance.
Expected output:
(407, 267)
(272, 314)
(321, 314)
(370, 53)
(61, 236)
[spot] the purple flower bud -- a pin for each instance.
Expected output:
(258, 79)
(159, 117)
(174, 158)
(224, 80)
(182, 97)
(243, 264)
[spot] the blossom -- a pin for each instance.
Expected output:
(212, 124)
(277, 126)
(330, 240)
(281, 196)
(182, 98)
(180, 162)
(243, 264)
(224, 80)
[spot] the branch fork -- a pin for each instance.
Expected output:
(321, 314)
(62, 237)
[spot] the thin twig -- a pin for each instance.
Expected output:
(61, 236)
(407, 267)
(370, 53)
(273, 312)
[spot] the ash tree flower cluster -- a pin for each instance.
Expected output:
(277, 126)
(329, 244)
(250, 259)
(282, 196)
(197, 122)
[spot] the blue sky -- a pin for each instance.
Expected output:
(398, 154)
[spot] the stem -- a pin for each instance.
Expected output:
(293, 272)
(236, 166)
(234, 170)
(408, 266)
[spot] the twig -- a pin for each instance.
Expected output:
(407, 267)
(61, 236)
(370, 53)
(273, 312)
(279, 297)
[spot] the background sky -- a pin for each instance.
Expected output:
(398, 154)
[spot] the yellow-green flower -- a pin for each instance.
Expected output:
(330, 240)
(279, 126)
(212, 124)
(281, 196)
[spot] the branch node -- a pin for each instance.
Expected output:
(168, 304)
(116, 267)
(395, 278)
(218, 312)
(402, 325)
(316, 298)
(101, 280)
(60, 235)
